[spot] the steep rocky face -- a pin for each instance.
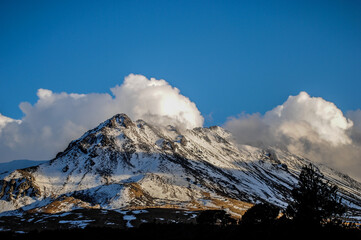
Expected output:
(130, 165)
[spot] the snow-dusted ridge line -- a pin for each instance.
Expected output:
(122, 164)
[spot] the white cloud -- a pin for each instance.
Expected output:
(57, 118)
(5, 120)
(305, 125)
(149, 99)
(301, 116)
(308, 126)
(355, 133)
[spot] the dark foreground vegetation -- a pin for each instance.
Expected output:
(195, 231)
(315, 212)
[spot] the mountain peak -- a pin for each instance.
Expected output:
(122, 164)
(122, 119)
(118, 120)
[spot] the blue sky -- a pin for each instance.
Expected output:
(226, 56)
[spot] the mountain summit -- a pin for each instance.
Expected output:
(127, 165)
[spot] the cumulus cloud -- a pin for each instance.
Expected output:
(156, 101)
(57, 118)
(305, 125)
(308, 126)
(355, 134)
(5, 120)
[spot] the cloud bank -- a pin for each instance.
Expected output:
(57, 118)
(309, 126)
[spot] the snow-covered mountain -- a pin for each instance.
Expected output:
(122, 164)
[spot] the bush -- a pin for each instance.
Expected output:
(262, 213)
(215, 217)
